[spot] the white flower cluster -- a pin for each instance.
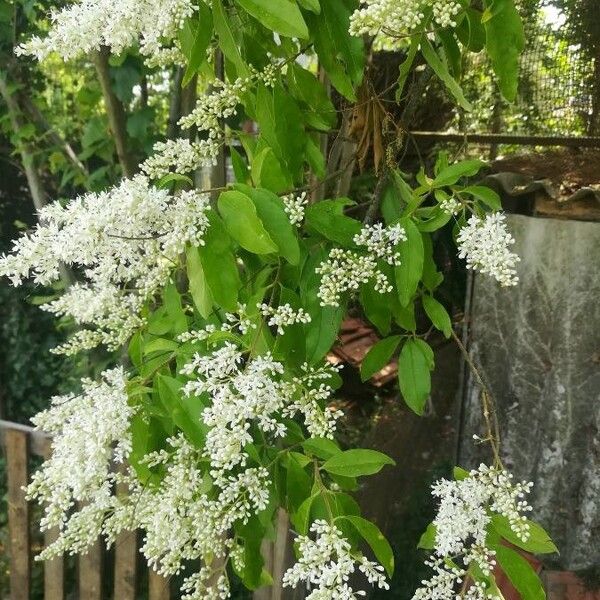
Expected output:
(89, 24)
(345, 271)
(382, 241)
(485, 244)
(243, 394)
(450, 205)
(90, 432)
(183, 156)
(461, 526)
(126, 240)
(283, 316)
(326, 564)
(396, 18)
(295, 206)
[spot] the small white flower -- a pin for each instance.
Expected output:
(283, 315)
(295, 206)
(485, 244)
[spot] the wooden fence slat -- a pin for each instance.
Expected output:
(15, 442)
(90, 573)
(54, 569)
(158, 586)
(125, 566)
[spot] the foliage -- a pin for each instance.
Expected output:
(231, 296)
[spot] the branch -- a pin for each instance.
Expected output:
(34, 181)
(115, 112)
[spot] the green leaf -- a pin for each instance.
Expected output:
(327, 218)
(378, 356)
(488, 196)
(353, 463)
(202, 30)
(406, 66)
(341, 54)
(427, 351)
(219, 264)
(267, 171)
(470, 31)
(167, 180)
(198, 285)
(185, 412)
(312, 5)
(242, 222)
(160, 345)
(427, 540)
(376, 540)
(298, 483)
(505, 40)
(307, 89)
(301, 518)
(439, 68)
(520, 573)
(408, 273)
(437, 314)
(227, 41)
(450, 175)
(539, 541)
(281, 127)
(240, 168)
(414, 376)
(321, 447)
(282, 16)
(377, 307)
(275, 220)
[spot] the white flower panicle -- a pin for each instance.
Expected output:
(461, 524)
(395, 18)
(382, 241)
(184, 156)
(295, 206)
(126, 240)
(326, 563)
(283, 315)
(87, 25)
(180, 156)
(485, 244)
(345, 271)
(253, 393)
(89, 432)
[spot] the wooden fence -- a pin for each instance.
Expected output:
(20, 443)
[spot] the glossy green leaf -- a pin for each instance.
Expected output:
(219, 264)
(408, 273)
(357, 462)
(487, 195)
(505, 41)
(437, 314)
(243, 224)
(198, 285)
(376, 540)
(195, 53)
(312, 5)
(427, 540)
(520, 573)
(440, 69)
(378, 356)
(340, 54)
(270, 210)
(451, 174)
(539, 541)
(282, 16)
(414, 376)
(327, 218)
(321, 447)
(227, 41)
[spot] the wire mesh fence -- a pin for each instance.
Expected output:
(558, 82)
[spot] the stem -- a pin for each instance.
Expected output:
(487, 405)
(115, 112)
